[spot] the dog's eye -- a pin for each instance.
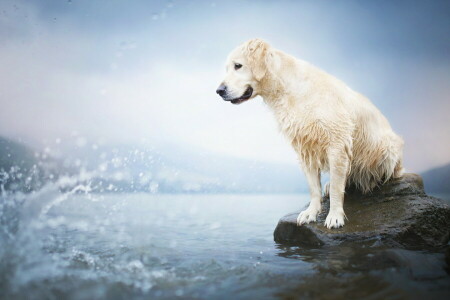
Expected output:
(237, 66)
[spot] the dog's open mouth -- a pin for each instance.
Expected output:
(248, 93)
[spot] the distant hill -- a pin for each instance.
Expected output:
(437, 180)
(20, 169)
(15, 154)
(172, 169)
(143, 168)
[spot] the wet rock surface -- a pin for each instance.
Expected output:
(397, 214)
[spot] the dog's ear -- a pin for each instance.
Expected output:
(256, 51)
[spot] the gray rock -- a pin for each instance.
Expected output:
(398, 213)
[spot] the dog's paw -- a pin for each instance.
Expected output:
(308, 215)
(335, 219)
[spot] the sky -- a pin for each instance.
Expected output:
(127, 71)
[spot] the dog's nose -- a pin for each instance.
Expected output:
(221, 90)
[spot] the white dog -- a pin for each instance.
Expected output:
(331, 127)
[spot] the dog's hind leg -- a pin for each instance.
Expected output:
(315, 191)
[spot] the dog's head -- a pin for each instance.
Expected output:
(246, 66)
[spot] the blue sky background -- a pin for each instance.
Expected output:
(124, 71)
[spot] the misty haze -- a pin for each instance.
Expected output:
(124, 176)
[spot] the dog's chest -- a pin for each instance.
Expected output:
(307, 135)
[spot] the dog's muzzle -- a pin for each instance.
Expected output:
(222, 91)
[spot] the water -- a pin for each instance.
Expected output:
(141, 246)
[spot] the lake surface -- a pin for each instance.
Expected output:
(142, 246)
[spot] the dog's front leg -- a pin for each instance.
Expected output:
(339, 166)
(315, 191)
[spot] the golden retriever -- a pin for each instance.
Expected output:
(331, 127)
